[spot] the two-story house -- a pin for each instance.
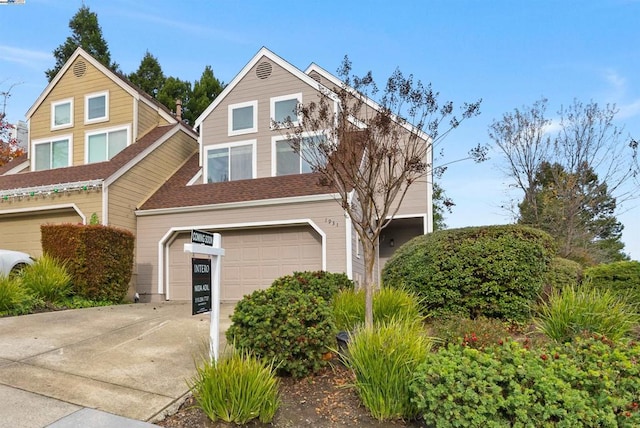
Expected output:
(248, 184)
(97, 145)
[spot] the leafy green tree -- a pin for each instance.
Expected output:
(85, 33)
(204, 92)
(172, 90)
(149, 76)
(442, 204)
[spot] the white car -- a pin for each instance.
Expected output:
(12, 261)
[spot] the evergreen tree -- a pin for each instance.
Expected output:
(172, 90)
(149, 76)
(205, 91)
(85, 33)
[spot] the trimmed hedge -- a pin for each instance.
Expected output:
(562, 273)
(321, 283)
(622, 278)
(292, 328)
(99, 258)
(491, 271)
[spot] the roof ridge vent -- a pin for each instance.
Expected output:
(263, 70)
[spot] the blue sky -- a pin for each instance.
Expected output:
(509, 53)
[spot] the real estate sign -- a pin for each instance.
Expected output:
(201, 283)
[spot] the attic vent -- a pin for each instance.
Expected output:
(263, 70)
(79, 68)
(315, 76)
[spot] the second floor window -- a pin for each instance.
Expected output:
(96, 107)
(287, 161)
(51, 154)
(103, 146)
(62, 114)
(285, 108)
(233, 162)
(243, 118)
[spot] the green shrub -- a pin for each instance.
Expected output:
(388, 303)
(293, 328)
(383, 359)
(14, 299)
(583, 384)
(621, 277)
(99, 258)
(492, 271)
(574, 311)
(478, 333)
(237, 388)
(47, 279)
(321, 283)
(562, 273)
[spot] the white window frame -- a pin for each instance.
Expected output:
(54, 104)
(273, 102)
(228, 146)
(34, 143)
(232, 107)
(104, 131)
(88, 97)
(274, 152)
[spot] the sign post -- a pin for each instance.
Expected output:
(205, 275)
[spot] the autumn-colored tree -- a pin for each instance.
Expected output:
(8, 146)
(372, 152)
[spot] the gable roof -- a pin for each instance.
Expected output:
(118, 79)
(13, 163)
(263, 52)
(88, 172)
(175, 193)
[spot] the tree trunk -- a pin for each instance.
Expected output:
(369, 251)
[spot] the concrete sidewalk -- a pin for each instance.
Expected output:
(93, 367)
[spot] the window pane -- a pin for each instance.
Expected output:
(117, 142)
(62, 114)
(310, 151)
(97, 107)
(287, 161)
(242, 118)
(43, 156)
(217, 165)
(241, 162)
(60, 155)
(284, 109)
(97, 148)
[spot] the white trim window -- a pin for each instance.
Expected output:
(228, 162)
(286, 161)
(62, 114)
(96, 107)
(243, 118)
(284, 107)
(103, 145)
(55, 153)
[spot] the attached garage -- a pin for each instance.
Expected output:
(253, 259)
(20, 231)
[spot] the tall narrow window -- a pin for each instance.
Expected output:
(232, 162)
(96, 107)
(243, 118)
(62, 114)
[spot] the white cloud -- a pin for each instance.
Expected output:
(27, 57)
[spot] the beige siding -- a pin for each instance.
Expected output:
(215, 127)
(138, 183)
(20, 220)
(326, 215)
(148, 118)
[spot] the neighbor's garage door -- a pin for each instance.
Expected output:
(22, 232)
(253, 259)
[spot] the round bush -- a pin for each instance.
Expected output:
(562, 273)
(491, 271)
(622, 278)
(321, 283)
(293, 329)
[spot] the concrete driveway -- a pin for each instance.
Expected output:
(127, 360)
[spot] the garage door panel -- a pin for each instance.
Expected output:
(253, 259)
(22, 233)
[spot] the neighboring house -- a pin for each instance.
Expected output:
(246, 183)
(97, 144)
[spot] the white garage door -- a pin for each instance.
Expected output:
(253, 259)
(22, 232)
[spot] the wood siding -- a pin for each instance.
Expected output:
(148, 118)
(129, 191)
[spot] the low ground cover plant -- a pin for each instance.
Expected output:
(478, 333)
(576, 310)
(237, 388)
(388, 303)
(589, 382)
(383, 359)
